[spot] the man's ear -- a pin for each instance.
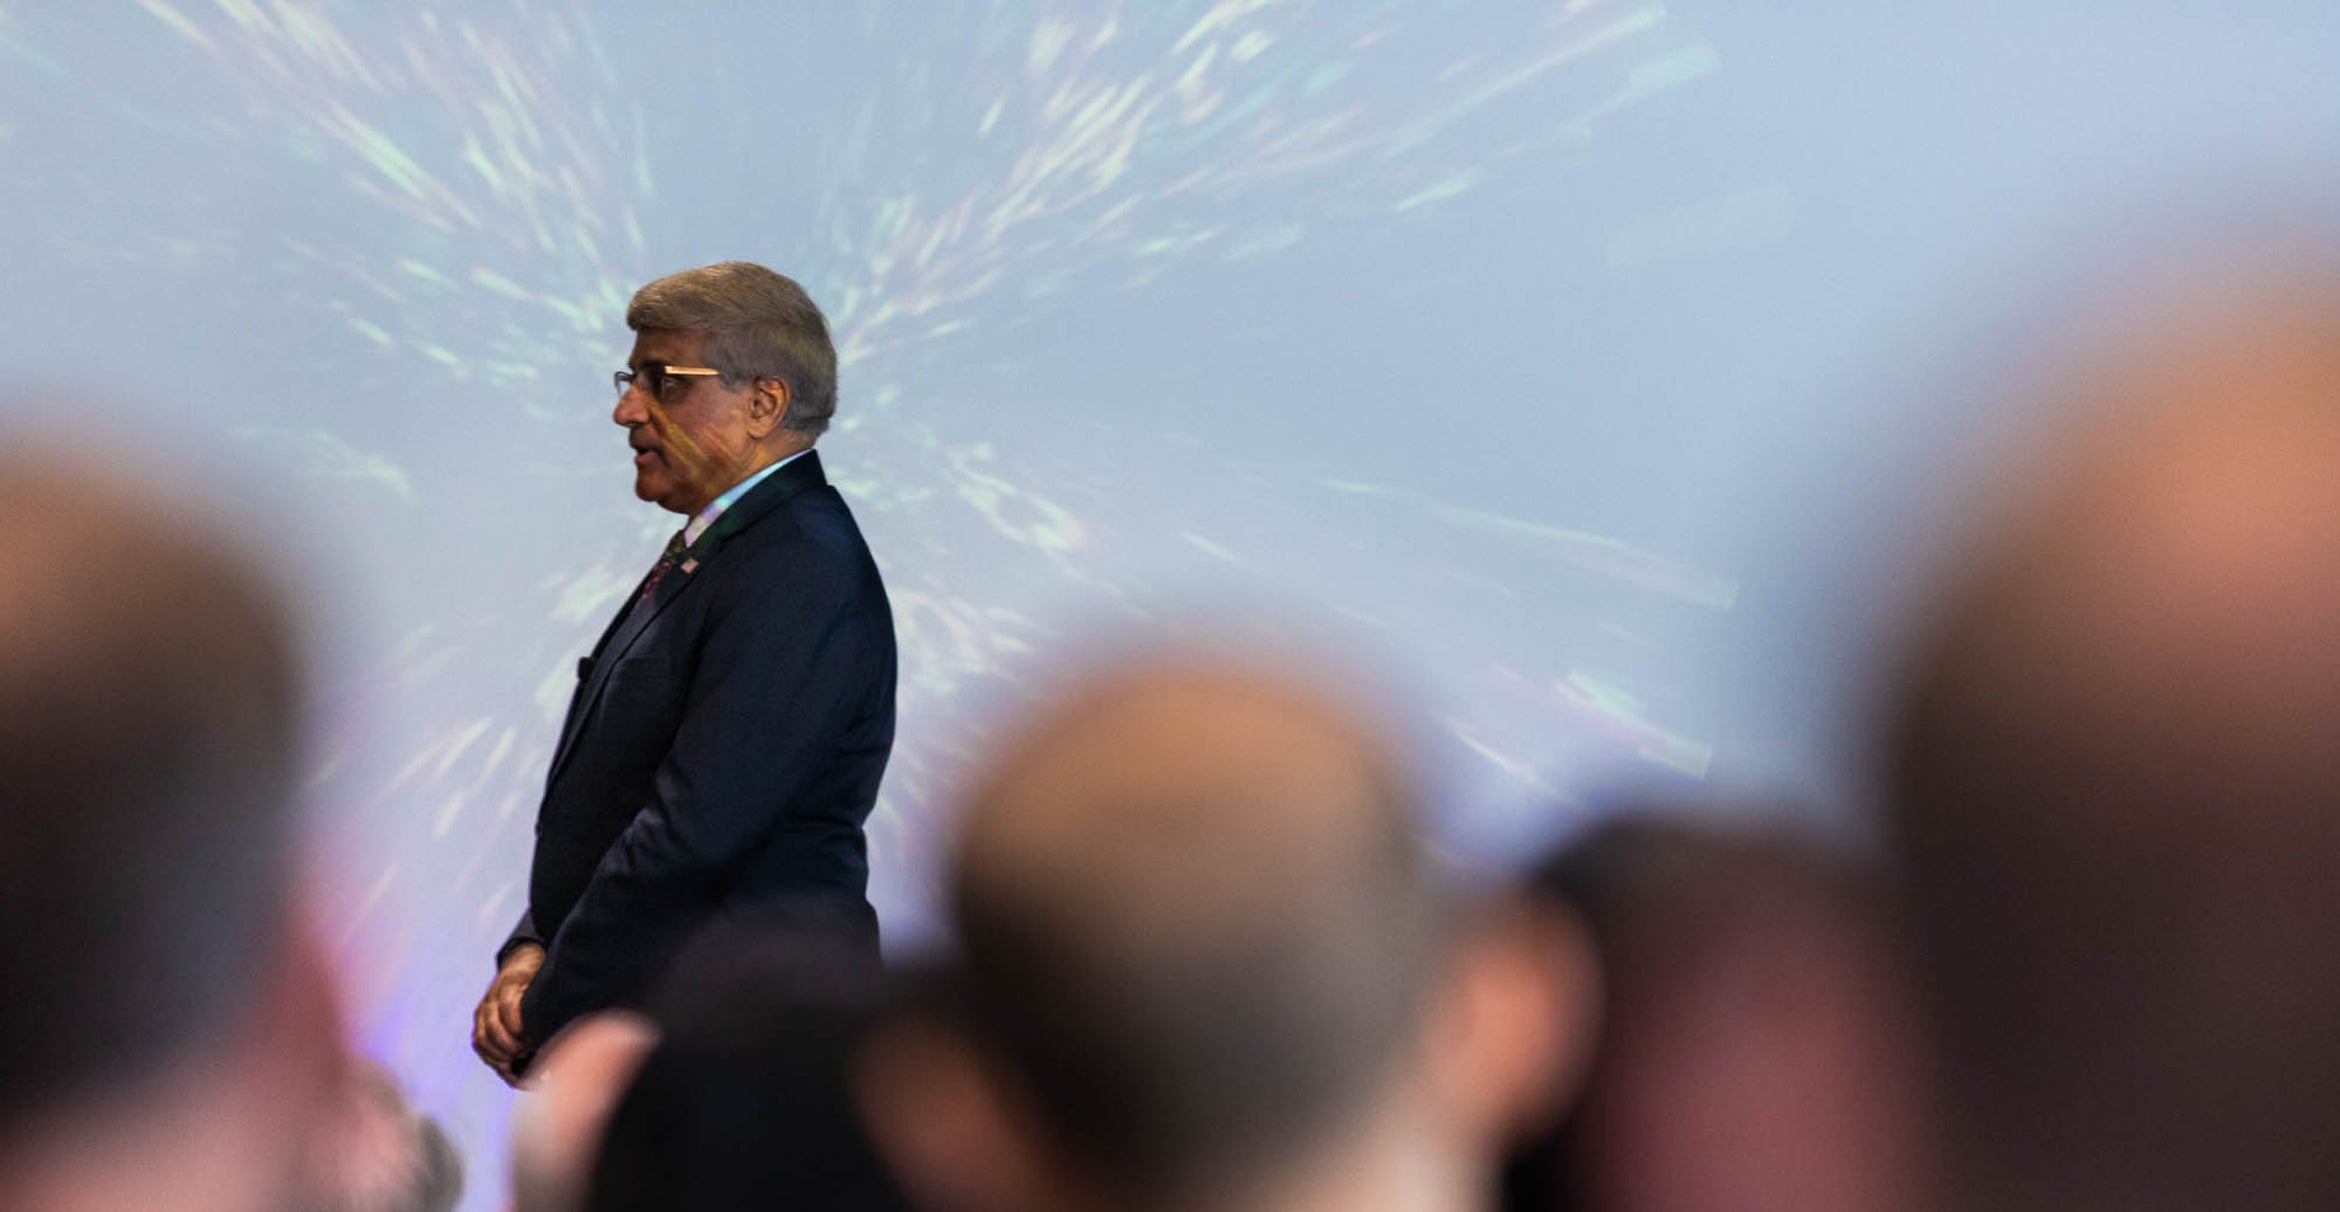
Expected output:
(560, 1116)
(949, 1130)
(298, 1037)
(767, 406)
(1518, 1022)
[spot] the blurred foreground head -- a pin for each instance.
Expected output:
(2117, 792)
(165, 1031)
(1753, 1053)
(1210, 963)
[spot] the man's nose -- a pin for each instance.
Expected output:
(630, 411)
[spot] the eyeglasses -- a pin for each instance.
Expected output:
(660, 380)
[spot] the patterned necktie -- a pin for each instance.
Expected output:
(675, 547)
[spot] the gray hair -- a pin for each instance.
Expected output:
(758, 324)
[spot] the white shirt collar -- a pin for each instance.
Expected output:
(706, 517)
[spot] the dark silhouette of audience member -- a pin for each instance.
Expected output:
(2116, 791)
(1754, 1053)
(168, 1033)
(1209, 963)
(747, 1100)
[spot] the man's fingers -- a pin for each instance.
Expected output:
(508, 1012)
(510, 1068)
(479, 1029)
(490, 1052)
(496, 1028)
(503, 1043)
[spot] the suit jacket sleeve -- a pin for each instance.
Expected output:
(524, 932)
(782, 672)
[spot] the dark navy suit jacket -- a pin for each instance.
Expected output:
(721, 753)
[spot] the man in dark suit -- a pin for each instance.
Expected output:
(725, 740)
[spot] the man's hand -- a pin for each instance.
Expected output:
(495, 1026)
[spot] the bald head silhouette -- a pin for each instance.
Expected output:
(1199, 923)
(2116, 788)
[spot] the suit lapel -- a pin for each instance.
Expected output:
(800, 474)
(628, 627)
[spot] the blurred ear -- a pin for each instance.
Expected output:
(290, 1072)
(565, 1106)
(946, 1123)
(1514, 1030)
(297, 1042)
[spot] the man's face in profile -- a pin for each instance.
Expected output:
(689, 432)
